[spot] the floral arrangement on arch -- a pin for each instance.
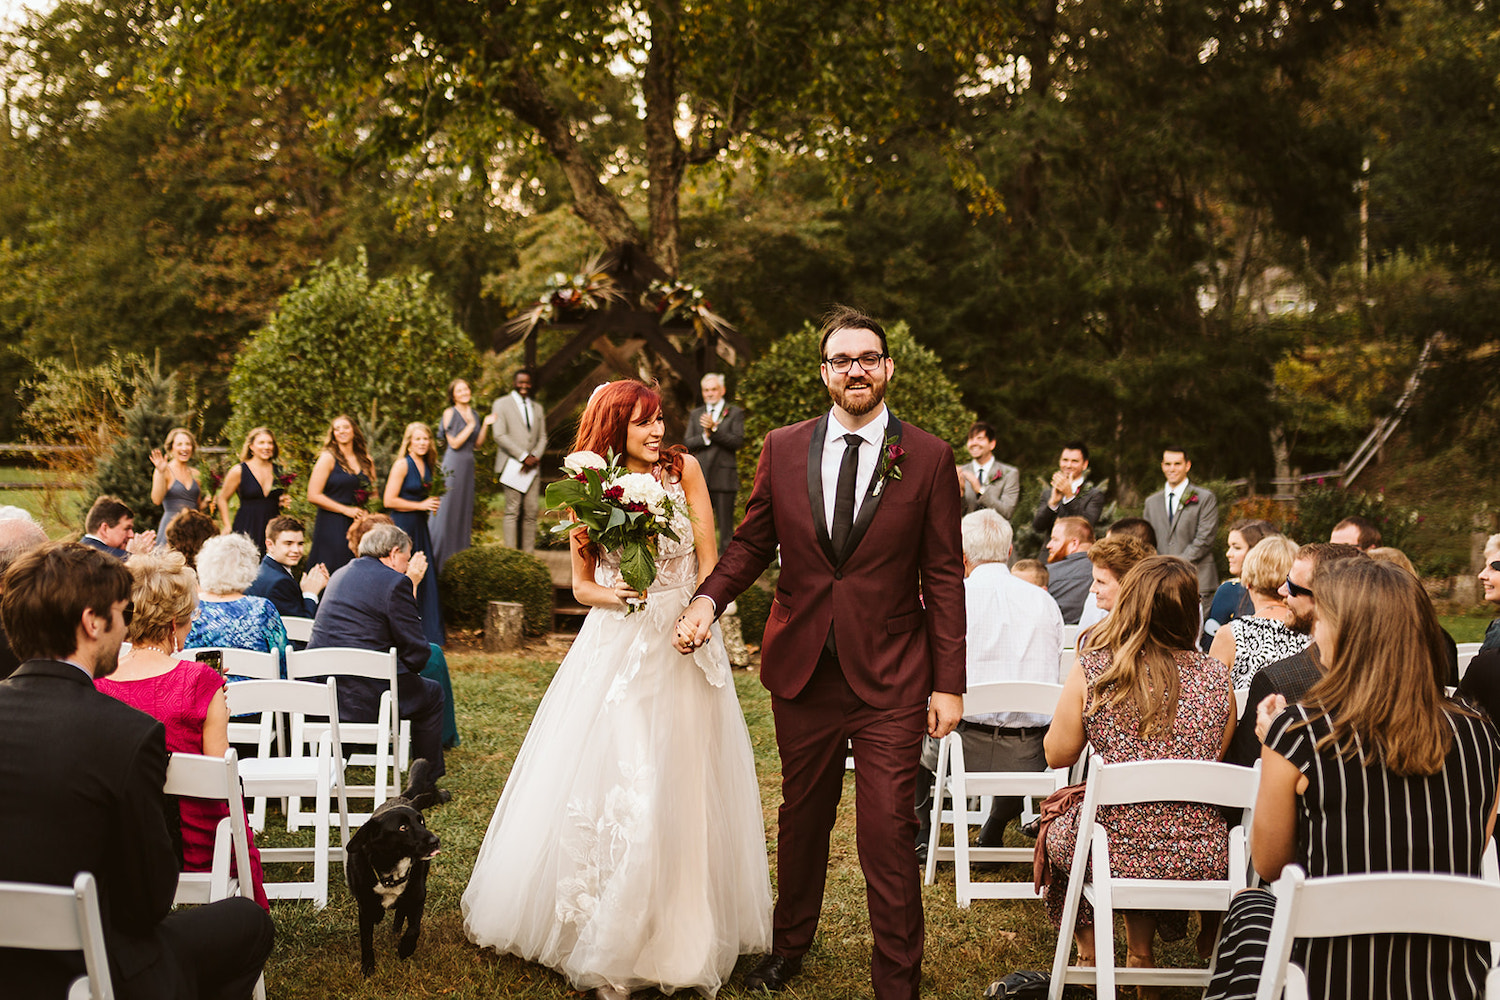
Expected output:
(679, 299)
(622, 511)
(591, 288)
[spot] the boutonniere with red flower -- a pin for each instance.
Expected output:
(890, 463)
(1191, 499)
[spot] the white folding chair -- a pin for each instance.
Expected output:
(1466, 652)
(263, 735)
(1387, 903)
(954, 780)
(195, 776)
(320, 776)
(388, 736)
(1070, 636)
(1241, 695)
(298, 629)
(59, 918)
(1225, 785)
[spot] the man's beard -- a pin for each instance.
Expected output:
(1302, 626)
(859, 407)
(106, 663)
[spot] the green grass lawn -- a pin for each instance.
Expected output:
(317, 952)
(1469, 626)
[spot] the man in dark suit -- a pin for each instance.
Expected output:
(82, 785)
(370, 603)
(275, 582)
(714, 433)
(865, 642)
(1072, 494)
(110, 527)
(1186, 521)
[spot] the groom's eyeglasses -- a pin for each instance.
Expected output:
(841, 365)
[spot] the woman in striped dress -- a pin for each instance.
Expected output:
(1376, 771)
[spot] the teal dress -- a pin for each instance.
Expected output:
(415, 487)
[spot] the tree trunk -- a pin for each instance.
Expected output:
(665, 159)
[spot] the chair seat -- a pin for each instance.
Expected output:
(1168, 894)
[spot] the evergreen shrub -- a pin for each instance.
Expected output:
(471, 579)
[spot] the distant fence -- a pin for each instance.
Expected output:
(39, 450)
(1286, 490)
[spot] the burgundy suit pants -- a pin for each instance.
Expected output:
(811, 732)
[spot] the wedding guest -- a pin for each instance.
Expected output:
(408, 496)
(275, 580)
(256, 481)
(1110, 561)
(1068, 565)
(185, 696)
(520, 434)
(1137, 528)
(463, 431)
(1377, 770)
(339, 486)
(1251, 642)
(1033, 571)
(187, 533)
(1384, 553)
(175, 484)
(18, 536)
(227, 616)
(715, 432)
(1358, 531)
(109, 526)
(1143, 691)
(1232, 600)
(1489, 577)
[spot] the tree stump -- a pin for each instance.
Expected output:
(502, 627)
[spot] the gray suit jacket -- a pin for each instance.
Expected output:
(1191, 534)
(512, 438)
(717, 456)
(1000, 494)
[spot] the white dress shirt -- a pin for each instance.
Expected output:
(1077, 485)
(714, 412)
(1015, 634)
(1173, 498)
(833, 456)
(984, 473)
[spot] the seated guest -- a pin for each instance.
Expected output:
(1489, 577)
(1357, 531)
(1072, 495)
(986, 481)
(1377, 770)
(109, 527)
(1251, 642)
(227, 616)
(1142, 691)
(1015, 634)
(185, 696)
(187, 533)
(274, 581)
(18, 536)
(82, 788)
(1069, 576)
(1232, 600)
(1032, 571)
(370, 604)
(1137, 528)
(1111, 559)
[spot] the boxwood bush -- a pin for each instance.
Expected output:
(484, 573)
(754, 607)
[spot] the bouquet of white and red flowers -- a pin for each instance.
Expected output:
(623, 511)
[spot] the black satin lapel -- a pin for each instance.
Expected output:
(875, 491)
(815, 486)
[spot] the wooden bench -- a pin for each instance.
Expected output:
(560, 565)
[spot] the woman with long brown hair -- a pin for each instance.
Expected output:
(626, 851)
(256, 480)
(339, 486)
(1376, 770)
(1142, 691)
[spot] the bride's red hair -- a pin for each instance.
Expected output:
(608, 415)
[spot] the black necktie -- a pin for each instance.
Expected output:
(526, 412)
(843, 499)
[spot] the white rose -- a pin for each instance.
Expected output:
(580, 460)
(641, 488)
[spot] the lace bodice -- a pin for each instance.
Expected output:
(676, 562)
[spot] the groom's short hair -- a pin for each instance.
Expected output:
(847, 318)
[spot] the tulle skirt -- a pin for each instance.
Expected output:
(628, 848)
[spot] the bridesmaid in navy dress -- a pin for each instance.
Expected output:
(453, 526)
(175, 485)
(339, 487)
(407, 490)
(254, 480)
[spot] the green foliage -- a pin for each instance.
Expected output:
(783, 387)
(483, 573)
(1321, 507)
(382, 351)
(126, 469)
(754, 607)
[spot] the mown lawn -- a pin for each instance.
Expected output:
(317, 953)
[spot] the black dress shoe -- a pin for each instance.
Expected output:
(773, 973)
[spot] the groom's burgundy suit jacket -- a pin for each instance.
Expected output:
(895, 598)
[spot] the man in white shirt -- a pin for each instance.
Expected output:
(987, 481)
(1015, 633)
(714, 433)
(1186, 520)
(520, 434)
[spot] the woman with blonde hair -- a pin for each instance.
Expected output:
(408, 497)
(187, 697)
(175, 484)
(1376, 770)
(257, 483)
(1143, 691)
(339, 486)
(1262, 638)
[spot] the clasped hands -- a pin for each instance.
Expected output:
(694, 625)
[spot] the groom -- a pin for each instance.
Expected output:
(865, 642)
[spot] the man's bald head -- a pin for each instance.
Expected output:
(18, 536)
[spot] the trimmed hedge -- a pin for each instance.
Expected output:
(754, 607)
(474, 577)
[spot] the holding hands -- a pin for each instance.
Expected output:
(694, 625)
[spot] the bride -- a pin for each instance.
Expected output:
(628, 848)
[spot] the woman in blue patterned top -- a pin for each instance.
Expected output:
(226, 616)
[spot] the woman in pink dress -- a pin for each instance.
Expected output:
(185, 696)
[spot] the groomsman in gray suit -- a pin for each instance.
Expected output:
(988, 482)
(521, 434)
(1186, 520)
(714, 433)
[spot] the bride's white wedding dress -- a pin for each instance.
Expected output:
(628, 848)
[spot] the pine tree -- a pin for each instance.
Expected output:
(125, 471)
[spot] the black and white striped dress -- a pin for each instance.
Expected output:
(1355, 819)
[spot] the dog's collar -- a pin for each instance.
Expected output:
(395, 877)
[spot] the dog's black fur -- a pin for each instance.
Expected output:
(395, 834)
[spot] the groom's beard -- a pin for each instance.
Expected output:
(858, 406)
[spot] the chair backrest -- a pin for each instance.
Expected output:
(298, 629)
(58, 918)
(1070, 636)
(239, 662)
(1241, 695)
(1207, 782)
(342, 661)
(1466, 652)
(195, 776)
(1033, 697)
(304, 697)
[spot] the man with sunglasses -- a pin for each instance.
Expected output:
(864, 646)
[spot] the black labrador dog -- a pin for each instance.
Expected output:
(386, 865)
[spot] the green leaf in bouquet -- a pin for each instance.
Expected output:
(637, 568)
(617, 519)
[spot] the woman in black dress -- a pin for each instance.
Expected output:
(339, 487)
(257, 483)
